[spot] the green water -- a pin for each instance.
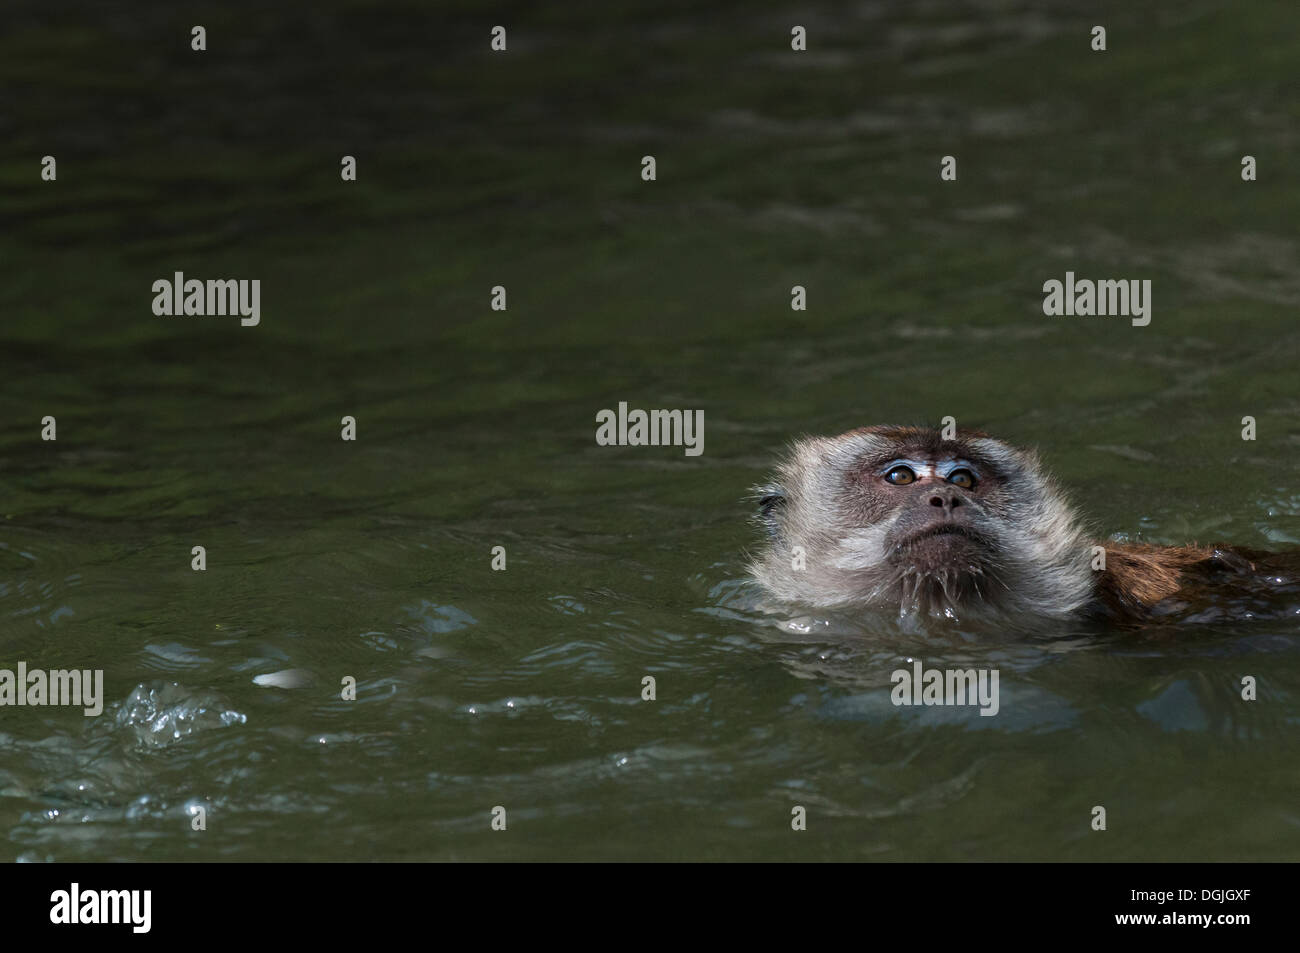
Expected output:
(522, 688)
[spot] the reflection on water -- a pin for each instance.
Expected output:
(371, 561)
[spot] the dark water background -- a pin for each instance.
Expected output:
(476, 428)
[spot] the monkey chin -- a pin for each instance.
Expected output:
(945, 572)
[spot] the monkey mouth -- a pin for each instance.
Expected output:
(942, 536)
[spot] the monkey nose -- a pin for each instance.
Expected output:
(947, 499)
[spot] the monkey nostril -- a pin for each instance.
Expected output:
(936, 501)
(947, 501)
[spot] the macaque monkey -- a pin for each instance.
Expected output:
(898, 518)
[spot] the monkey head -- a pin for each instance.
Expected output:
(900, 518)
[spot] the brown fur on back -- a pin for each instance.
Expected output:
(1138, 576)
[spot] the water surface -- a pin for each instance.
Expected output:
(522, 688)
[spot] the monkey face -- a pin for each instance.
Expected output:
(936, 525)
(900, 517)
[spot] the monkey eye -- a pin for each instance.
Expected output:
(900, 476)
(962, 478)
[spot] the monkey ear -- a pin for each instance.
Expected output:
(770, 500)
